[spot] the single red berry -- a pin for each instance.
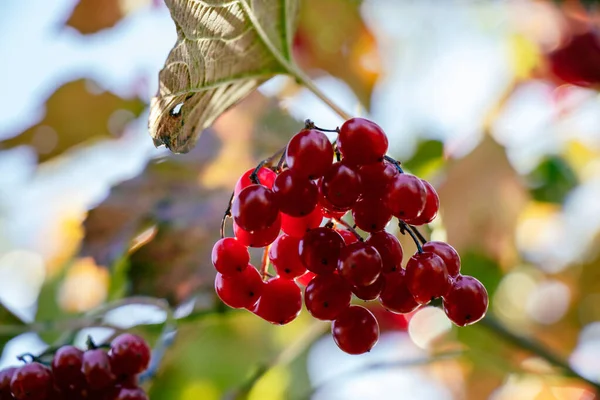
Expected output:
(320, 249)
(260, 238)
(326, 296)
(406, 197)
(447, 253)
(129, 354)
(5, 378)
(370, 214)
(297, 227)
(266, 177)
(341, 186)
(466, 302)
(389, 249)
(348, 236)
(362, 141)
(371, 292)
(305, 279)
(360, 264)
(395, 296)
(280, 301)
(241, 290)
(309, 153)
(32, 382)
(66, 368)
(97, 370)
(578, 61)
(255, 208)
(230, 256)
(284, 253)
(329, 210)
(296, 195)
(355, 330)
(375, 178)
(427, 277)
(131, 394)
(432, 205)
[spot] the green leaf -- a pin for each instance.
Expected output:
(7, 318)
(552, 180)
(224, 50)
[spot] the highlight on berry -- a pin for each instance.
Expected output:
(303, 206)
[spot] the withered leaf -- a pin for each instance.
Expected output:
(224, 50)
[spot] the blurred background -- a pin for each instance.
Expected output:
(495, 102)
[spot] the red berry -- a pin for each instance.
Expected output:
(447, 253)
(371, 292)
(265, 176)
(370, 214)
(284, 253)
(305, 279)
(355, 331)
(309, 153)
(255, 208)
(32, 382)
(229, 256)
(348, 236)
(362, 141)
(395, 295)
(5, 378)
(406, 197)
(375, 178)
(360, 264)
(320, 250)
(66, 368)
(427, 277)
(326, 296)
(131, 394)
(466, 302)
(280, 301)
(97, 370)
(578, 62)
(389, 249)
(340, 187)
(297, 227)
(432, 205)
(260, 238)
(296, 195)
(129, 354)
(241, 290)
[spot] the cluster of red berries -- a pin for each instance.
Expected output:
(295, 211)
(73, 374)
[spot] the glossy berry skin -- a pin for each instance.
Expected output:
(280, 301)
(241, 290)
(309, 153)
(389, 249)
(305, 279)
(427, 277)
(259, 238)
(371, 292)
(66, 368)
(447, 253)
(129, 354)
(255, 208)
(328, 209)
(466, 302)
(320, 250)
(297, 227)
(360, 264)
(356, 330)
(406, 197)
(326, 296)
(32, 381)
(432, 205)
(370, 215)
(285, 256)
(296, 195)
(395, 296)
(266, 177)
(375, 178)
(362, 141)
(131, 394)
(341, 186)
(5, 378)
(348, 236)
(97, 370)
(230, 256)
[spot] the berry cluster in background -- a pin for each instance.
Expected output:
(73, 374)
(295, 209)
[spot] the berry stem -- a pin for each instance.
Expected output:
(418, 234)
(404, 228)
(264, 266)
(308, 124)
(254, 175)
(394, 162)
(349, 227)
(226, 215)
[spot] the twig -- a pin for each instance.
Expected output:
(394, 162)
(404, 228)
(308, 124)
(226, 215)
(418, 234)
